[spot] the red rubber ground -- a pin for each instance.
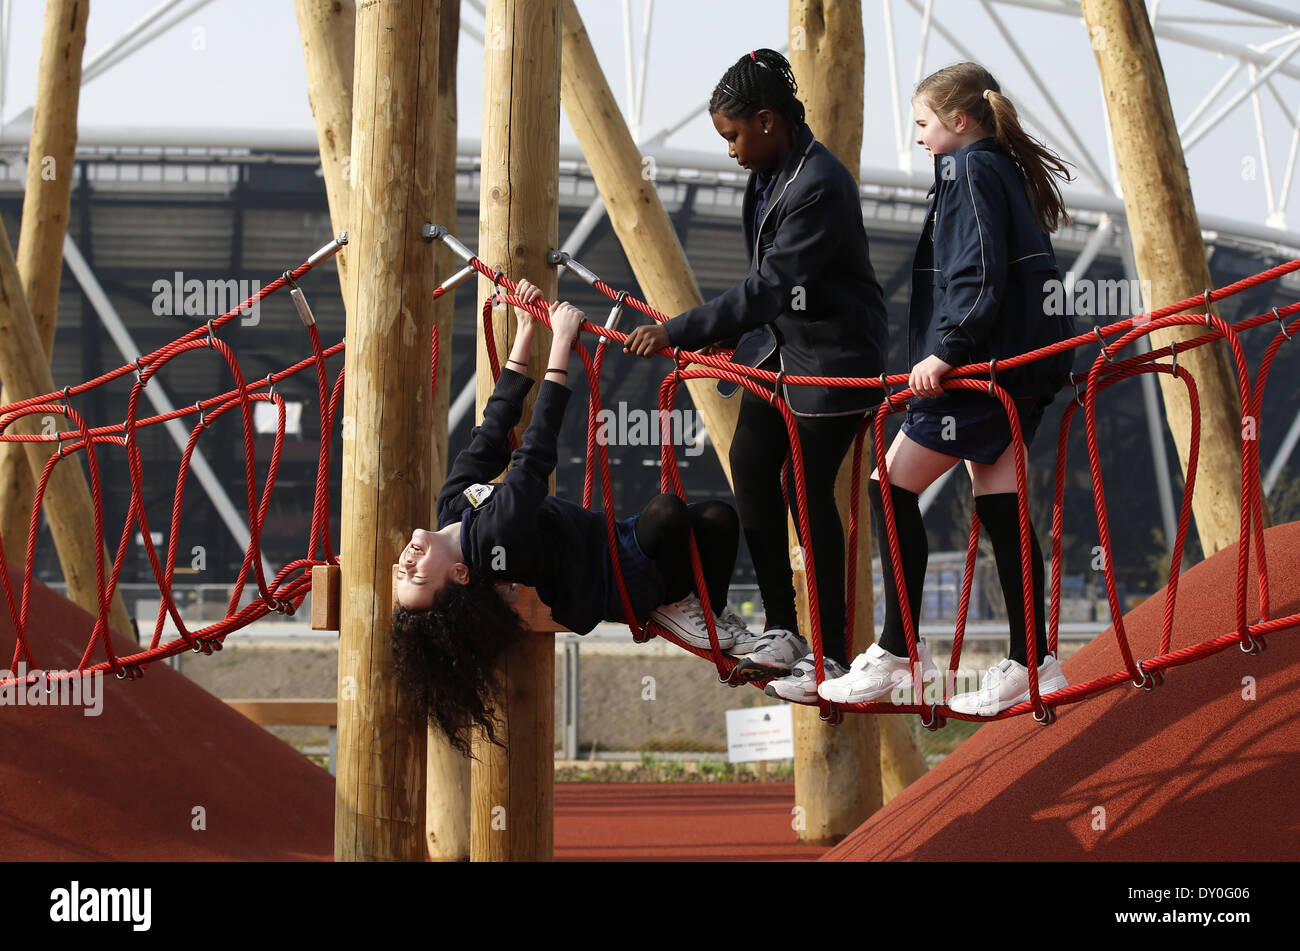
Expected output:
(123, 786)
(676, 822)
(1191, 770)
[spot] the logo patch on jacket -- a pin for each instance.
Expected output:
(478, 493)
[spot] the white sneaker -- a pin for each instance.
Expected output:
(1006, 685)
(876, 673)
(744, 640)
(770, 654)
(801, 685)
(685, 621)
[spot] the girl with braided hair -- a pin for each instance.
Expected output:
(983, 269)
(810, 305)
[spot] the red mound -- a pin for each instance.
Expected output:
(1189, 771)
(124, 785)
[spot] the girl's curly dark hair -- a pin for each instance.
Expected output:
(444, 657)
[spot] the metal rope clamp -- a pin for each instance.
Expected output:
(1150, 679)
(832, 715)
(212, 339)
(1281, 323)
(776, 391)
(1173, 353)
(1257, 644)
(1102, 340)
(935, 721)
(1078, 397)
(1048, 716)
(139, 378)
(993, 374)
(615, 313)
(299, 301)
(1209, 318)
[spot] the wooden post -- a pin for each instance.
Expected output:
(380, 802)
(328, 41)
(512, 786)
(634, 209)
(51, 157)
(1170, 254)
(448, 773)
(655, 254)
(328, 32)
(836, 769)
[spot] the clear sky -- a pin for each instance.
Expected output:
(238, 64)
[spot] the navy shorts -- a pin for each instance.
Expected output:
(645, 583)
(979, 432)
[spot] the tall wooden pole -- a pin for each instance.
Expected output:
(836, 769)
(634, 209)
(655, 254)
(328, 40)
(447, 812)
(513, 788)
(380, 801)
(328, 32)
(51, 157)
(1170, 254)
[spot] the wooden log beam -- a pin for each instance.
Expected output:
(447, 771)
(51, 156)
(512, 786)
(1170, 255)
(380, 798)
(635, 211)
(328, 32)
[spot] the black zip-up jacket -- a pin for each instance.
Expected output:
(811, 294)
(981, 278)
(516, 531)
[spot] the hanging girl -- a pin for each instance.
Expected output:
(451, 624)
(811, 305)
(981, 274)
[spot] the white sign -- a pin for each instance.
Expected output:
(758, 733)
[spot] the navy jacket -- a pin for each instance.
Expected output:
(980, 278)
(811, 294)
(515, 531)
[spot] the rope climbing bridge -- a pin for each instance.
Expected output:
(285, 592)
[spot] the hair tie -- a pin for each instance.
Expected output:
(753, 56)
(987, 93)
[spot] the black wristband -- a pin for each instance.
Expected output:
(516, 362)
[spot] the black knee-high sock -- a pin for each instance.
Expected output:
(914, 548)
(999, 516)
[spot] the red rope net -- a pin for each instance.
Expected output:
(285, 592)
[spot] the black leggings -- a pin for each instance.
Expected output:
(999, 516)
(664, 531)
(759, 453)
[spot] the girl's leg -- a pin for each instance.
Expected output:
(824, 443)
(663, 532)
(758, 452)
(912, 468)
(717, 536)
(996, 504)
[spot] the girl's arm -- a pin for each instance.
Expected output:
(972, 249)
(488, 451)
(807, 241)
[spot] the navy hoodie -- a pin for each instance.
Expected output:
(514, 530)
(981, 278)
(811, 295)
